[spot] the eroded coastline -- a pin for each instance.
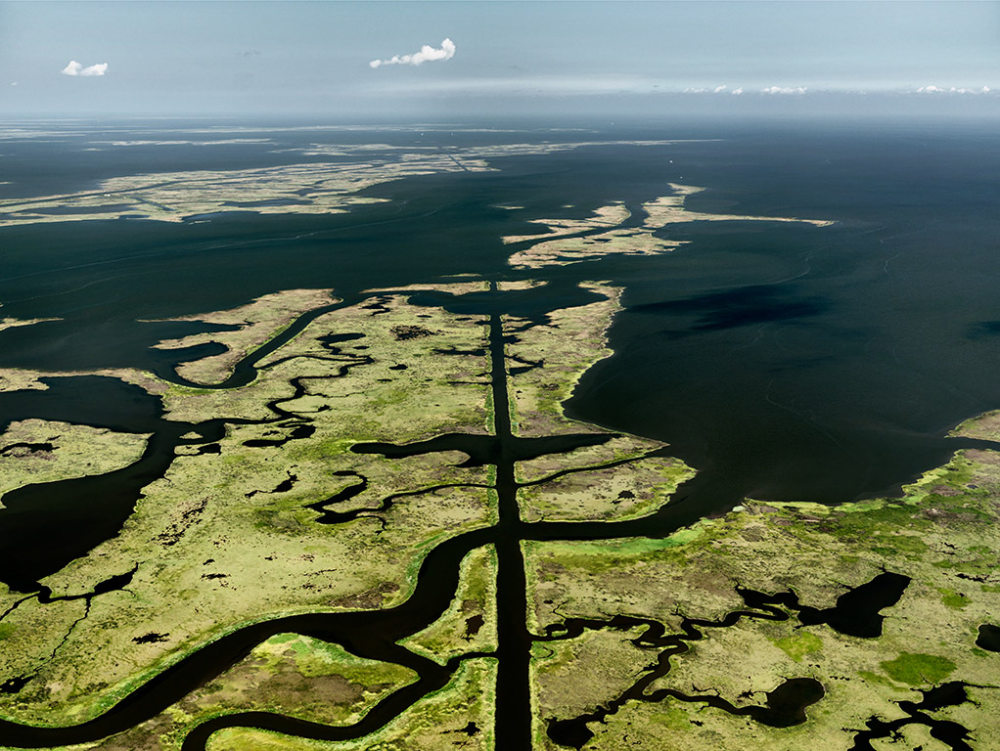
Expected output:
(382, 503)
(574, 588)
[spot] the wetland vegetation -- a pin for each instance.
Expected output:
(325, 518)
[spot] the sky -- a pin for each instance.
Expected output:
(446, 60)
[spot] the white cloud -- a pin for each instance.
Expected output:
(13, 83)
(784, 90)
(704, 90)
(73, 68)
(737, 91)
(427, 54)
(932, 89)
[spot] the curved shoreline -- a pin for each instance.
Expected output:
(372, 634)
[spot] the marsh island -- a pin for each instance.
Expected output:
(358, 504)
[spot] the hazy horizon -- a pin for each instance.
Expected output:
(440, 61)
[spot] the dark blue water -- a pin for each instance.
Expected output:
(785, 361)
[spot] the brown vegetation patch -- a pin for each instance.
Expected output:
(324, 689)
(368, 600)
(402, 333)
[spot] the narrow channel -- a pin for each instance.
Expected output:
(374, 634)
(513, 704)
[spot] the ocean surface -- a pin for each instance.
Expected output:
(784, 361)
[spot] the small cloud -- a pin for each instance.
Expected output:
(703, 90)
(427, 54)
(250, 53)
(784, 90)
(13, 83)
(737, 91)
(932, 89)
(73, 68)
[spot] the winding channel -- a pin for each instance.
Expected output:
(374, 634)
(370, 634)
